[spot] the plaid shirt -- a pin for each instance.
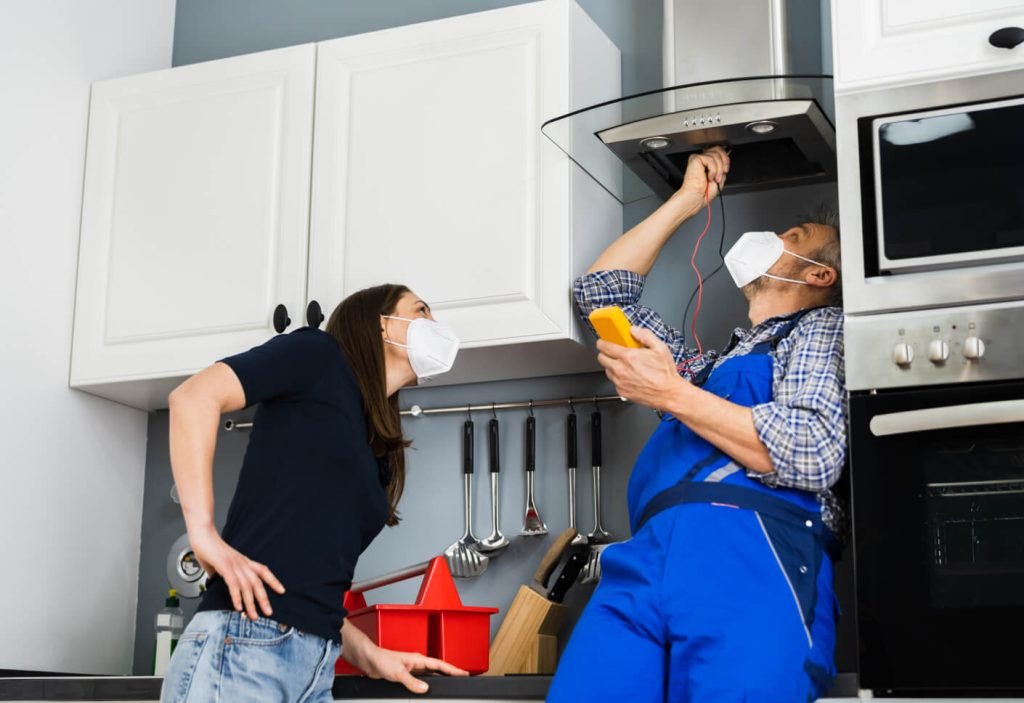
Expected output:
(804, 426)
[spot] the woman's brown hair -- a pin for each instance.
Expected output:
(355, 324)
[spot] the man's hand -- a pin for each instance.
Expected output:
(378, 663)
(243, 576)
(647, 375)
(709, 166)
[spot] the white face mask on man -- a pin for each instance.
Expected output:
(432, 347)
(756, 252)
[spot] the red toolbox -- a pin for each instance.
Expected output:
(437, 624)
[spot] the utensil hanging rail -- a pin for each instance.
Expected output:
(416, 411)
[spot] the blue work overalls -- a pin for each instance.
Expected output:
(724, 592)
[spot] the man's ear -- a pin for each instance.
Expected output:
(821, 276)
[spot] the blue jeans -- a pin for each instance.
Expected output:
(222, 656)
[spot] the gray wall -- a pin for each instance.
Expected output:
(214, 29)
(432, 505)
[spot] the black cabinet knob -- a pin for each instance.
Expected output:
(1007, 37)
(314, 315)
(281, 319)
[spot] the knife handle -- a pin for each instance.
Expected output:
(531, 443)
(553, 556)
(570, 572)
(467, 447)
(595, 438)
(492, 426)
(570, 440)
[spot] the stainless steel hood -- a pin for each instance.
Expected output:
(742, 73)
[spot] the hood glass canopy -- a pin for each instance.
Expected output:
(780, 130)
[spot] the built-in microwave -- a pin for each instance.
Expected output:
(931, 190)
(948, 185)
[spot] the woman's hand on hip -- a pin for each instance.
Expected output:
(244, 577)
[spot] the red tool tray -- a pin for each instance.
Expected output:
(437, 624)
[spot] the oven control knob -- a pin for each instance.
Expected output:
(974, 348)
(903, 354)
(938, 351)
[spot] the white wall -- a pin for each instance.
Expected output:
(71, 465)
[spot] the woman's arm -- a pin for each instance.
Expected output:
(377, 663)
(195, 409)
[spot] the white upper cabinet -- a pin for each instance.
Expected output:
(892, 42)
(212, 195)
(430, 169)
(194, 221)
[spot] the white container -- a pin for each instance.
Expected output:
(170, 622)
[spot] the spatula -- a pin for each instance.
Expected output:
(532, 522)
(464, 561)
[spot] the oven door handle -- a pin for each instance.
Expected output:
(948, 416)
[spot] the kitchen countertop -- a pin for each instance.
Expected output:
(147, 688)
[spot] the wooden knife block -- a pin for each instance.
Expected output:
(527, 641)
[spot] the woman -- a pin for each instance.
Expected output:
(322, 475)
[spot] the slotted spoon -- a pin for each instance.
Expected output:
(496, 541)
(464, 561)
(571, 460)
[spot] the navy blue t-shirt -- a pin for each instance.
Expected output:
(311, 494)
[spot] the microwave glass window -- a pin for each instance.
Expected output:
(952, 182)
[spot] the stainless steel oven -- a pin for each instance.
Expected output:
(938, 504)
(931, 191)
(931, 194)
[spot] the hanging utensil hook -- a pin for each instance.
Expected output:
(494, 412)
(531, 407)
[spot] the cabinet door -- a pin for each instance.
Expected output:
(430, 170)
(885, 42)
(195, 214)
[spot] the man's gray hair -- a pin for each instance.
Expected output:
(830, 253)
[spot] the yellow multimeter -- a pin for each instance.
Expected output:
(612, 325)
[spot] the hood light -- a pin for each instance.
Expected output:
(762, 127)
(654, 143)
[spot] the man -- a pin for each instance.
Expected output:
(724, 591)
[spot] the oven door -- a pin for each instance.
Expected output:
(938, 520)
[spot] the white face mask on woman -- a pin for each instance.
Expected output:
(432, 347)
(756, 252)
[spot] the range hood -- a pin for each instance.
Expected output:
(741, 73)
